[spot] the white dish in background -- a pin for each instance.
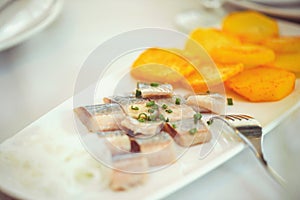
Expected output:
(59, 124)
(278, 2)
(22, 19)
(291, 12)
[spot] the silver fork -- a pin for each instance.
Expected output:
(250, 131)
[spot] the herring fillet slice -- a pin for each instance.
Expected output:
(101, 117)
(188, 133)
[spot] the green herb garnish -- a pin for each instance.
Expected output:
(209, 122)
(174, 126)
(141, 119)
(154, 84)
(134, 108)
(151, 110)
(142, 116)
(138, 94)
(150, 103)
(167, 120)
(161, 117)
(169, 111)
(177, 101)
(164, 106)
(193, 131)
(229, 101)
(197, 117)
(151, 118)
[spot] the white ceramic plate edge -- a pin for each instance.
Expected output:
(54, 12)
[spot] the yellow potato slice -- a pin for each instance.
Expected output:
(210, 38)
(263, 84)
(250, 26)
(157, 64)
(287, 61)
(247, 54)
(283, 44)
(211, 75)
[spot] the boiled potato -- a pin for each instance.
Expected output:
(211, 75)
(283, 44)
(248, 54)
(250, 26)
(263, 84)
(157, 64)
(288, 61)
(210, 38)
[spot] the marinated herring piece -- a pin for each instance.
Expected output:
(174, 109)
(188, 132)
(117, 141)
(101, 117)
(159, 150)
(211, 102)
(129, 171)
(134, 127)
(153, 90)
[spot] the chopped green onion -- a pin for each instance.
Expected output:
(193, 131)
(150, 103)
(229, 101)
(155, 107)
(154, 84)
(197, 117)
(174, 126)
(151, 118)
(142, 116)
(141, 119)
(138, 94)
(134, 108)
(169, 111)
(209, 122)
(177, 101)
(161, 117)
(151, 110)
(164, 106)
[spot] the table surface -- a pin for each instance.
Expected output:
(40, 73)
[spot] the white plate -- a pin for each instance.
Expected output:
(60, 122)
(22, 19)
(291, 12)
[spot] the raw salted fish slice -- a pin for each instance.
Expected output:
(212, 102)
(187, 132)
(154, 90)
(136, 128)
(130, 170)
(117, 141)
(159, 150)
(101, 117)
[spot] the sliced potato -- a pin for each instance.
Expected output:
(250, 26)
(210, 38)
(263, 84)
(157, 64)
(287, 61)
(209, 76)
(283, 44)
(249, 55)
